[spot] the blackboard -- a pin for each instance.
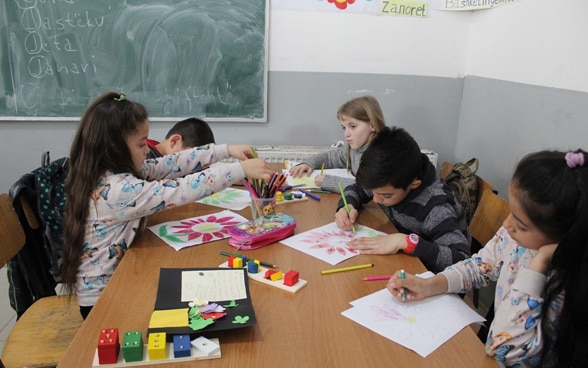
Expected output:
(205, 58)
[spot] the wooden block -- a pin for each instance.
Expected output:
(260, 276)
(238, 262)
(291, 278)
(182, 347)
(156, 346)
(132, 346)
(253, 266)
(278, 275)
(108, 346)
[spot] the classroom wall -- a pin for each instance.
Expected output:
(317, 61)
(493, 84)
(526, 86)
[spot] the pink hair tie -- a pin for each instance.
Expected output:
(574, 159)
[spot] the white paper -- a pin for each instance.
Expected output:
(213, 285)
(421, 326)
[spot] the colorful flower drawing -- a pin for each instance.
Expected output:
(197, 230)
(328, 242)
(331, 241)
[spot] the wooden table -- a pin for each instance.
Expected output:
(305, 329)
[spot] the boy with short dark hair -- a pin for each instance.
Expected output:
(395, 174)
(188, 133)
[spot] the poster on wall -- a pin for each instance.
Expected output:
(406, 8)
(463, 5)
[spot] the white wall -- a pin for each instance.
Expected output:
(352, 43)
(540, 42)
(504, 115)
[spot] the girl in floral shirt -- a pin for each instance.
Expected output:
(111, 188)
(539, 259)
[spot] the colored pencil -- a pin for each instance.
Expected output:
(345, 203)
(403, 276)
(323, 169)
(313, 196)
(319, 191)
(351, 268)
(376, 278)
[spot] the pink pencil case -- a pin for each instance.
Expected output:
(275, 227)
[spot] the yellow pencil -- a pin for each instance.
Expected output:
(323, 169)
(350, 268)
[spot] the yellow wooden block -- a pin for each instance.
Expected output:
(238, 262)
(276, 276)
(157, 347)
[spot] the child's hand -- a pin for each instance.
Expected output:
(299, 170)
(346, 221)
(240, 151)
(385, 244)
(416, 288)
(542, 261)
(256, 169)
(318, 180)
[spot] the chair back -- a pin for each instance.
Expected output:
(12, 236)
(489, 216)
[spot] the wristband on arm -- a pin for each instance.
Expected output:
(412, 240)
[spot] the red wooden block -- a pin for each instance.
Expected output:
(230, 261)
(108, 346)
(291, 278)
(269, 273)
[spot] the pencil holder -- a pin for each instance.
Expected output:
(261, 207)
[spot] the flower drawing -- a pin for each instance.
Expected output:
(331, 241)
(206, 227)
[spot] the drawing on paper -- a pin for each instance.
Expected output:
(412, 320)
(197, 230)
(229, 198)
(328, 242)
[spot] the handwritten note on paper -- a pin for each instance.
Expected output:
(421, 326)
(213, 285)
(328, 242)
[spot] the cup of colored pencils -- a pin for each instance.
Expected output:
(263, 196)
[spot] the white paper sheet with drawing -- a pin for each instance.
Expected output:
(421, 326)
(328, 242)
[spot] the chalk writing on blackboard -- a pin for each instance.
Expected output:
(204, 58)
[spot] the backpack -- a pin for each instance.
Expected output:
(462, 179)
(50, 186)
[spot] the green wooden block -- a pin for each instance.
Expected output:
(132, 346)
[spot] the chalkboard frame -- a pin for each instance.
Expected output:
(6, 115)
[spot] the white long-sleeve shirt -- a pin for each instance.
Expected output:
(515, 337)
(120, 201)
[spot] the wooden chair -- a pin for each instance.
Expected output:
(43, 333)
(490, 213)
